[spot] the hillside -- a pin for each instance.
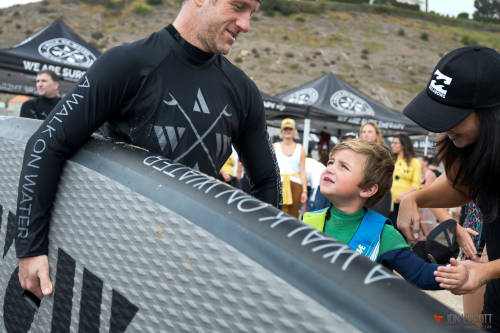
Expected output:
(388, 57)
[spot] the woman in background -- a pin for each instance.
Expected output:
(292, 163)
(407, 175)
(371, 132)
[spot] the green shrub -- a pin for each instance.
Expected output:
(404, 5)
(424, 36)
(112, 4)
(154, 2)
(354, 1)
(300, 19)
(289, 54)
(468, 40)
(141, 8)
(287, 7)
(463, 16)
(401, 32)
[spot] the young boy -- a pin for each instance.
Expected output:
(358, 175)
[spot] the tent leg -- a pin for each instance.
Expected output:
(305, 139)
(426, 144)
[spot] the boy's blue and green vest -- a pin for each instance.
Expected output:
(366, 239)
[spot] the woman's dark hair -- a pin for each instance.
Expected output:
(428, 159)
(477, 166)
(407, 146)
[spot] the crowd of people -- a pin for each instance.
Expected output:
(377, 198)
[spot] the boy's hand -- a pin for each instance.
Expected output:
(461, 277)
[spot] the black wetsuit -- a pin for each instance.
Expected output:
(38, 108)
(160, 93)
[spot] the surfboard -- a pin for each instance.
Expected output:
(139, 243)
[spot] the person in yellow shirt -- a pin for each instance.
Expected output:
(227, 173)
(407, 176)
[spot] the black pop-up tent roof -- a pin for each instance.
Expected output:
(332, 104)
(55, 47)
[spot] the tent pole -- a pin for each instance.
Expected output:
(307, 129)
(426, 143)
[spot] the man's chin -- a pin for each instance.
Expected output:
(224, 50)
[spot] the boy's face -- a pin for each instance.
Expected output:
(340, 179)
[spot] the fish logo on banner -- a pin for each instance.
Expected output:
(307, 96)
(67, 52)
(348, 103)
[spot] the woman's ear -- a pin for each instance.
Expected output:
(369, 191)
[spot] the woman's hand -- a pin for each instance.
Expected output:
(464, 240)
(303, 197)
(477, 275)
(409, 219)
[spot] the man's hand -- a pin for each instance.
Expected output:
(34, 275)
(409, 219)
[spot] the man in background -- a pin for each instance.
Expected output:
(47, 83)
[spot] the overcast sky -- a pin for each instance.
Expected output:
(451, 7)
(447, 7)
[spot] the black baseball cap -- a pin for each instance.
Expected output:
(465, 80)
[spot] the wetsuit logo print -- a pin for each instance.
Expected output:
(174, 135)
(199, 106)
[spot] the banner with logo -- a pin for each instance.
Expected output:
(56, 48)
(330, 100)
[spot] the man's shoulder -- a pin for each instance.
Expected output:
(233, 71)
(30, 101)
(148, 50)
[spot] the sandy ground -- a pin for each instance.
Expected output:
(454, 302)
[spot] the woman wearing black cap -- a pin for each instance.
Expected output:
(462, 103)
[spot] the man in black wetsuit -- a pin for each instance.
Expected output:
(47, 83)
(172, 93)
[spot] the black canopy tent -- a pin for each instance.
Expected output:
(55, 47)
(330, 104)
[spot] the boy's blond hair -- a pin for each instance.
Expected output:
(378, 167)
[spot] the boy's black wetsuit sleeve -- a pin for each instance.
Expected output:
(104, 90)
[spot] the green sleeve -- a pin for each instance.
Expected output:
(390, 240)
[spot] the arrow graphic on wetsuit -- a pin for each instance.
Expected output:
(199, 141)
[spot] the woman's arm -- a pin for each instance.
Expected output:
(478, 274)
(440, 193)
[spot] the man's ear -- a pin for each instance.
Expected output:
(369, 191)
